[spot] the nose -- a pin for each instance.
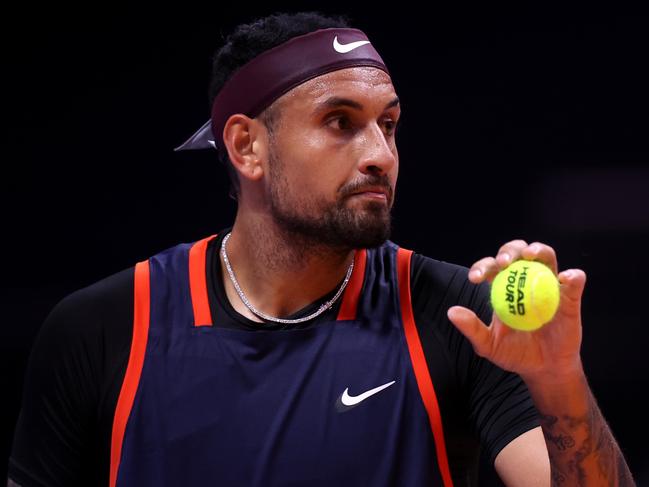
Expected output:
(378, 151)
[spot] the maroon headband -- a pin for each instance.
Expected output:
(258, 83)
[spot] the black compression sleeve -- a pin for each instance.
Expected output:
(75, 369)
(478, 400)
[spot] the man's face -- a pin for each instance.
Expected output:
(333, 161)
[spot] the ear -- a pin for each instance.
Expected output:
(246, 141)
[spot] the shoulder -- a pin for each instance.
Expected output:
(426, 271)
(102, 292)
(98, 305)
(426, 268)
(88, 331)
(436, 284)
(84, 343)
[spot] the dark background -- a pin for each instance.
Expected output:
(526, 125)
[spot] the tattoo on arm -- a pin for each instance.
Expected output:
(583, 451)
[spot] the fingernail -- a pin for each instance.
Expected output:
(476, 272)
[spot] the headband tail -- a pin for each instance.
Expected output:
(202, 139)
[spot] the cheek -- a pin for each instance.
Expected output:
(317, 165)
(305, 179)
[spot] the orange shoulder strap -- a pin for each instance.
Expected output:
(198, 282)
(354, 286)
(134, 368)
(422, 374)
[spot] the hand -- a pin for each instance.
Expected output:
(549, 353)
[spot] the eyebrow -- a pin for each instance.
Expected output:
(337, 101)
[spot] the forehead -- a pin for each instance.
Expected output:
(366, 83)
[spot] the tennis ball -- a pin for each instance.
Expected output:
(525, 295)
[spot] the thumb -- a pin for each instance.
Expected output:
(472, 328)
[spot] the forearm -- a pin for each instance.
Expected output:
(581, 446)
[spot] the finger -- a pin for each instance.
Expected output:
(482, 269)
(510, 252)
(542, 253)
(472, 328)
(573, 282)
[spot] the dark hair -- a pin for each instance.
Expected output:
(246, 42)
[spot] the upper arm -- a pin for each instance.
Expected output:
(57, 403)
(524, 461)
(475, 393)
(71, 384)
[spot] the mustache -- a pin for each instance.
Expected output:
(372, 181)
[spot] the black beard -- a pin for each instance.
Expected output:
(334, 227)
(339, 228)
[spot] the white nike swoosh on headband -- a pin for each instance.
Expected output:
(344, 48)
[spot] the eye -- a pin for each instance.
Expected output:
(340, 122)
(391, 126)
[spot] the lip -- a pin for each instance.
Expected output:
(373, 195)
(378, 193)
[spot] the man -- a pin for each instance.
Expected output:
(301, 347)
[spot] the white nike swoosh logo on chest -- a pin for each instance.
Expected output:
(345, 48)
(348, 400)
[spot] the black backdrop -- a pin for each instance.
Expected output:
(530, 125)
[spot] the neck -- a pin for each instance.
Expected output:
(279, 272)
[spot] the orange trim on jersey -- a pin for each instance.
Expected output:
(352, 293)
(198, 282)
(418, 359)
(134, 368)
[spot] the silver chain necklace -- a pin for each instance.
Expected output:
(321, 309)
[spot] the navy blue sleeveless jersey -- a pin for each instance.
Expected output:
(346, 402)
(178, 387)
